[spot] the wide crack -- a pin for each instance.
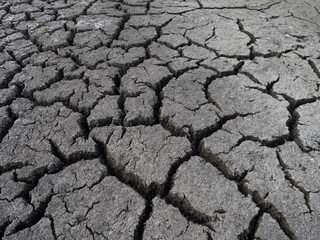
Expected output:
(148, 193)
(257, 199)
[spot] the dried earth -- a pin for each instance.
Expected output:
(160, 119)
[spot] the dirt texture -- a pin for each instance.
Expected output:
(160, 119)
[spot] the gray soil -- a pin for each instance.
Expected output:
(159, 119)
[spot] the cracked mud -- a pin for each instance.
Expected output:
(159, 119)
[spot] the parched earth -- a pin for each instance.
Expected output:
(161, 119)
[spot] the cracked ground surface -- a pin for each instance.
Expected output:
(159, 119)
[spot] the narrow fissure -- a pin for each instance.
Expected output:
(314, 68)
(249, 234)
(34, 217)
(288, 176)
(263, 205)
(139, 231)
(250, 35)
(159, 94)
(170, 177)
(293, 122)
(189, 212)
(130, 180)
